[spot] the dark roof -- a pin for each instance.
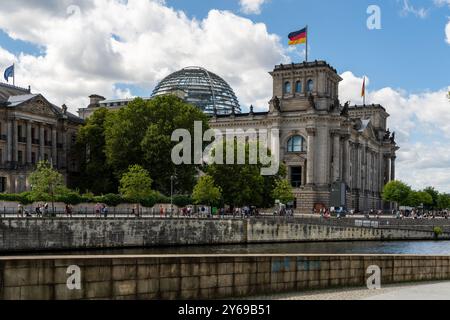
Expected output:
(311, 64)
(7, 90)
(367, 106)
(242, 115)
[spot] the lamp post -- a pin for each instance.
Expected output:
(172, 178)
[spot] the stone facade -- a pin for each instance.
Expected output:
(196, 277)
(33, 129)
(324, 145)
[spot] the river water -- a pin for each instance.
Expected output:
(356, 247)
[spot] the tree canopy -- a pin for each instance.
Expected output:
(96, 175)
(283, 191)
(136, 184)
(243, 184)
(206, 191)
(396, 191)
(141, 134)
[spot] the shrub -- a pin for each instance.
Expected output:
(112, 200)
(437, 231)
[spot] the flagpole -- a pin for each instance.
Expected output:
(307, 36)
(364, 96)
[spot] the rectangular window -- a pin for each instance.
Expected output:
(34, 139)
(19, 157)
(296, 177)
(2, 184)
(33, 158)
(1, 156)
(46, 157)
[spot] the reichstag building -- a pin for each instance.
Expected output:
(336, 154)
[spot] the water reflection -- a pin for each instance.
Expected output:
(357, 247)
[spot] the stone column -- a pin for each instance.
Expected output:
(310, 159)
(41, 142)
(358, 166)
(54, 148)
(346, 167)
(29, 142)
(336, 157)
(10, 141)
(64, 149)
(393, 158)
(15, 141)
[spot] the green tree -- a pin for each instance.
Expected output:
(96, 175)
(419, 198)
(206, 192)
(243, 184)
(396, 191)
(141, 134)
(136, 184)
(434, 194)
(46, 183)
(283, 191)
(443, 201)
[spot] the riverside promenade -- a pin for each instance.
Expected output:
(46, 234)
(409, 291)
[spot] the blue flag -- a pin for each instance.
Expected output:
(9, 72)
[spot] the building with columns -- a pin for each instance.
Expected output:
(336, 155)
(33, 129)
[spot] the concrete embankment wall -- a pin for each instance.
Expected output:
(204, 277)
(65, 234)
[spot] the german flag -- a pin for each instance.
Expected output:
(298, 37)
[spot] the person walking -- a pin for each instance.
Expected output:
(46, 209)
(105, 211)
(20, 210)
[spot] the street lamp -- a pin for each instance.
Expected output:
(172, 178)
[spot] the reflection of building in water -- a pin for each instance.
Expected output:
(33, 129)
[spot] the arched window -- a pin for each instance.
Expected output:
(287, 87)
(310, 86)
(298, 87)
(296, 144)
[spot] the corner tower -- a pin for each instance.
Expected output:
(304, 85)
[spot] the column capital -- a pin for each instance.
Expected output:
(311, 131)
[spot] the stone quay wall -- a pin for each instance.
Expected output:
(203, 277)
(69, 234)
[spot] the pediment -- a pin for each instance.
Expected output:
(38, 106)
(369, 133)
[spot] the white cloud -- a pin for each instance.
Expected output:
(251, 6)
(92, 50)
(447, 32)
(408, 8)
(422, 124)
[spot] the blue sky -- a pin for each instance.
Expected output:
(408, 52)
(69, 49)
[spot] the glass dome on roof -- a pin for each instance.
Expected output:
(201, 88)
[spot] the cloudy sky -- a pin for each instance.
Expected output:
(69, 49)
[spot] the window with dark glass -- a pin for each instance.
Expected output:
(2, 184)
(33, 158)
(298, 87)
(296, 177)
(287, 88)
(19, 157)
(296, 144)
(310, 86)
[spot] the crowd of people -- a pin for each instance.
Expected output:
(102, 210)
